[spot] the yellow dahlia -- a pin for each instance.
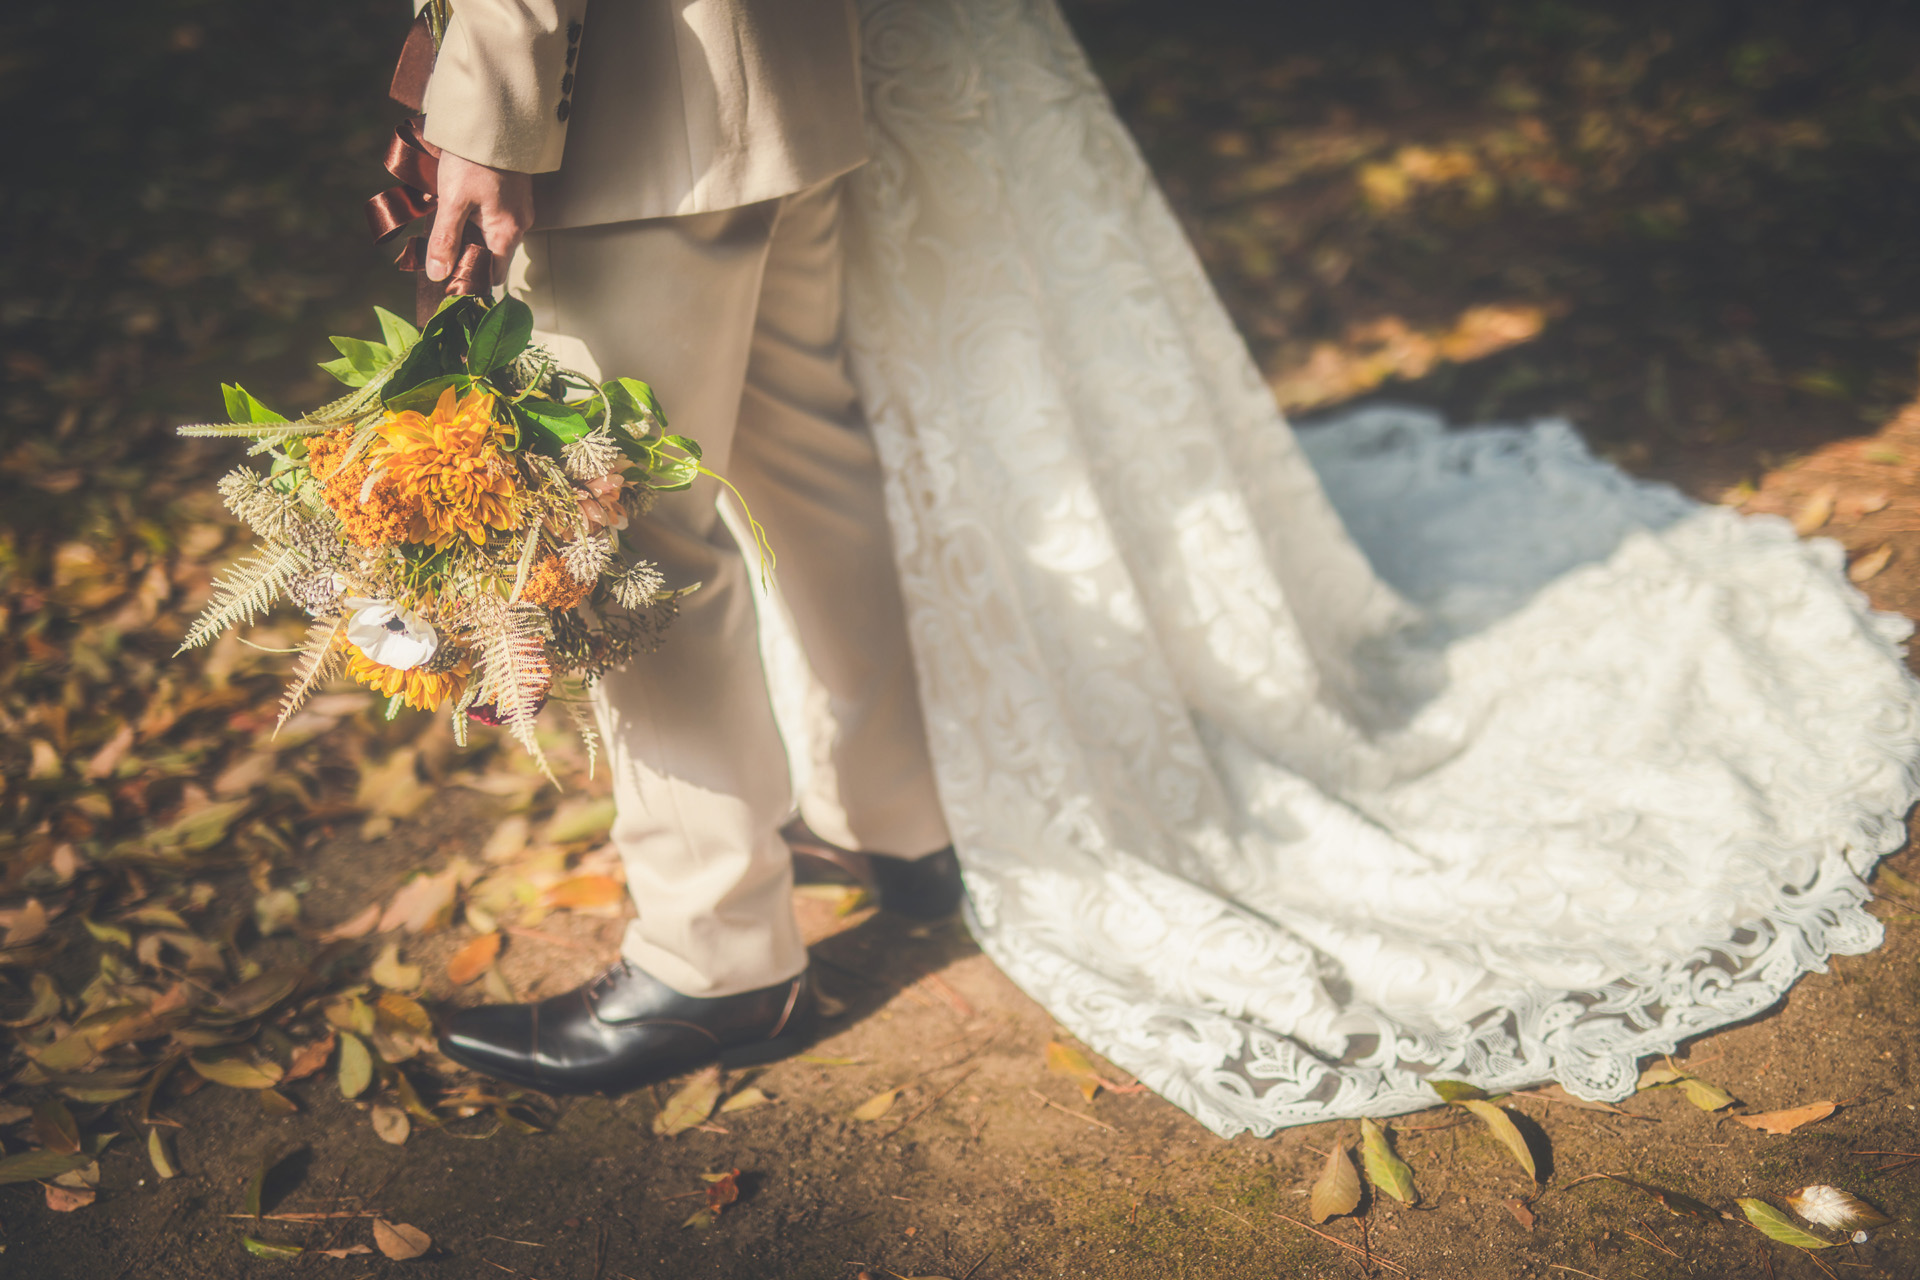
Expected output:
(451, 468)
(422, 690)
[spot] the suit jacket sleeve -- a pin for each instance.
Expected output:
(502, 87)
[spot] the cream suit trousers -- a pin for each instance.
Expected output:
(735, 318)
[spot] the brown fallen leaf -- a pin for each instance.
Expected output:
(1789, 1120)
(1337, 1190)
(309, 1059)
(352, 1250)
(67, 1199)
(1521, 1214)
(399, 1241)
(472, 960)
(423, 904)
(722, 1189)
(690, 1104)
(54, 1125)
(28, 924)
(358, 927)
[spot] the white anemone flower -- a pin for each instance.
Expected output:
(392, 636)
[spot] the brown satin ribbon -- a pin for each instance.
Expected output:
(416, 163)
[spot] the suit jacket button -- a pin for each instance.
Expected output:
(566, 83)
(573, 33)
(565, 110)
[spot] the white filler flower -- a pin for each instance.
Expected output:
(392, 636)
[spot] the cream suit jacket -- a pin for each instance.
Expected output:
(650, 108)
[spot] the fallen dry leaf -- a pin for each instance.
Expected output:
(751, 1096)
(472, 960)
(1870, 563)
(423, 904)
(586, 891)
(1337, 1190)
(1788, 1121)
(1385, 1170)
(690, 1104)
(399, 1241)
(390, 973)
(1521, 1214)
(67, 1199)
(1815, 511)
(391, 1124)
(1835, 1209)
(722, 1189)
(358, 927)
(878, 1105)
(308, 1059)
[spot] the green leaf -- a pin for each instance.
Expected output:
(634, 401)
(257, 1187)
(56, 1128)
(1385, 1170)
(688, 443)
(422, 398)
(31, 1166)
(442, 348)
(501, 335)
(1456, 1090)
(343, 371)
(365, 358)
(242, 407)
(549, 425)
(261, 1249)
(399, 334)
(1775, 1225)
(1502, 1126)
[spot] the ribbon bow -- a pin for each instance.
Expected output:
(416, 163)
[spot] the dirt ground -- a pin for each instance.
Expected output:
(1686, 227)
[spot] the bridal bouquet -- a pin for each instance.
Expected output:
(452, 524)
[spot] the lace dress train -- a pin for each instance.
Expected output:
(1293, 770)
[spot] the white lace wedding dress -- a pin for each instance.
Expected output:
(1293, 770)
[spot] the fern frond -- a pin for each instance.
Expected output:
(318, 661)
(581, 713)
(265, 432)
(511, 670)
(247, 590)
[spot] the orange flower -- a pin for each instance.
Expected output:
(380, 518)
(450, 468)
(551, 585)
(423, 690)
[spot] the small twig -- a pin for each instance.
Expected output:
(976, 1266)
(931, 1104)
(1071, 1112)
(535, 1244)
(311, 1218)
(1391, 1266)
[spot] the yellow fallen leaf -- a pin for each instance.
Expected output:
(238, 1070)
(876, 1106)
(157, 1153)
(390, 973)
(1815, 511)
(751, 1096)
(1502, 1127)
(690, 1104)
(1870, 563)
(1065, 1060)
(1789, 1120)
(1385, 1170)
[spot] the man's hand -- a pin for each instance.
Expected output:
(500, 203)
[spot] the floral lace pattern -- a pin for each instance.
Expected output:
(1292, 771)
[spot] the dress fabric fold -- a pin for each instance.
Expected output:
(1292, 770)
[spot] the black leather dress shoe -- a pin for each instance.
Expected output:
(625, 1029)
(924, 888)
